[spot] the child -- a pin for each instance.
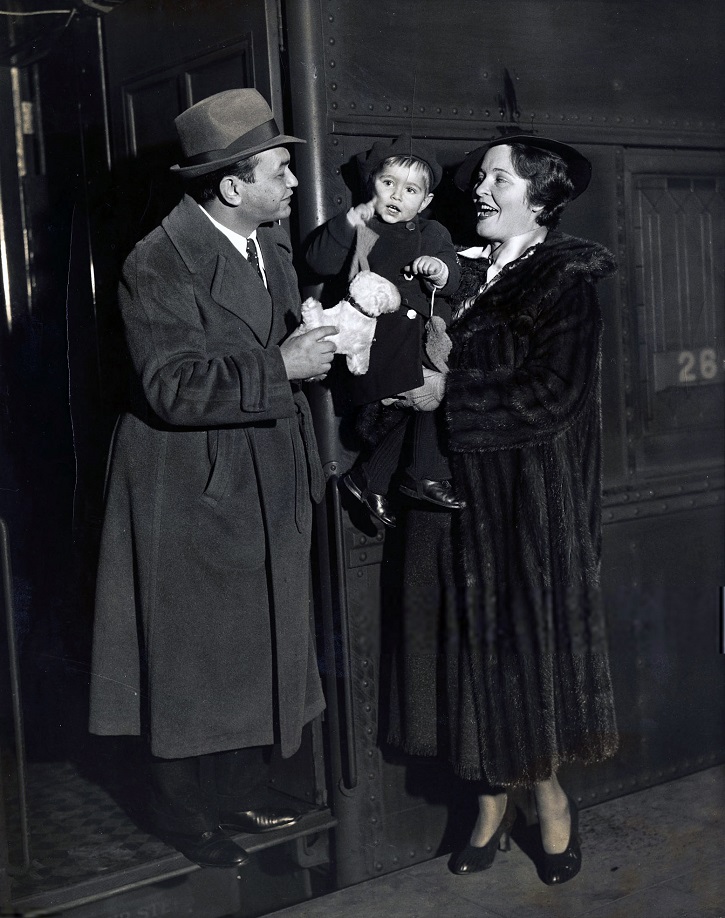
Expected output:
(400, 176)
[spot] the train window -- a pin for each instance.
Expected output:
(677, 237)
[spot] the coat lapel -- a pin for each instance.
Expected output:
(237, 288)
(232, 283)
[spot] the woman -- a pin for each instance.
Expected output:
(509, 675)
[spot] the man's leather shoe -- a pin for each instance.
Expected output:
(377, 504)
(439, 493)
(209, 849)
(260, 820)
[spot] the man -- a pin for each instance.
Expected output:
(202, 638)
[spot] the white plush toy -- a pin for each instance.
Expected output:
(369, 296)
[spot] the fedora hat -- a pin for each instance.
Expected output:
(578, 166)
(225, 128)
(404, 145)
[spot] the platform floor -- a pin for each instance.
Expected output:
(658, 853)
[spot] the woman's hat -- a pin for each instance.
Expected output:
(405, 145)
(225, 128)
(578, 166)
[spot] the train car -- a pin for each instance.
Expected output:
(88, 93)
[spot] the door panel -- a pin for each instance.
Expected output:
(162, 58)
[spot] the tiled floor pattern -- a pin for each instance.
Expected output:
(658, 853)
(78, 830)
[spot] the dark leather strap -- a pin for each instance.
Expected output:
(355, 305)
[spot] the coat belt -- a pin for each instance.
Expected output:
(308, 467)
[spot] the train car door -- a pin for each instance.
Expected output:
(126, 74)
(163, 57)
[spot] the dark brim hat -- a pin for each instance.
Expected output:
(405, 145)
(578, 166)
(225, 128)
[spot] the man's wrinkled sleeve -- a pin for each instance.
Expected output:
(182, 383)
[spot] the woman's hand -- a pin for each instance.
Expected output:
(426, 397)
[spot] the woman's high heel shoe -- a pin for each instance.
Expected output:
(472, 859)
(560, 868)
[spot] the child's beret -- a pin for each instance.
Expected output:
(405, 145)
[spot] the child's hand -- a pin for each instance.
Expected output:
(361, 215)
(431, 268)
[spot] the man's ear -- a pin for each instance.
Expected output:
(229, 190)
(426, 201)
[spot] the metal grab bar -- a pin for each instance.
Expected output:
(8, 607)
(334, 604)
(345, 646)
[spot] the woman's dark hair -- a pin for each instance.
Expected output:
(206, 187)
(549, 185)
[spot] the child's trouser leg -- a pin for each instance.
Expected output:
(382, 463)
(428, 476)
(427, 460)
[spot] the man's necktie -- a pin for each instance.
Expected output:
(253, 258)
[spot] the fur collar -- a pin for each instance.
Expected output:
(524, 285)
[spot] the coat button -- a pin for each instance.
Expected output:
(410, 226)
(411, 313)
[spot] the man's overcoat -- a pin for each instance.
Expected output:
(203, 632)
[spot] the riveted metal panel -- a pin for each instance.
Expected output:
(436, 68)
(663, 606)
(590, 73)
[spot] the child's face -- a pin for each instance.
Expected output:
(400, 193)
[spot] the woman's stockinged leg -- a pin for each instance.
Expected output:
(552, 806)
(496, 816)
(559, 823)
(491, 809)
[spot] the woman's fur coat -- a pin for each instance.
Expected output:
(504, 662)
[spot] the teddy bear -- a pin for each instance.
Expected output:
(369, 296)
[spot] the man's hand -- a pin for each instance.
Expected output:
(431, 268)
(362, 214)
(308, 355)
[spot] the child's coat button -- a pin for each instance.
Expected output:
(411, 313)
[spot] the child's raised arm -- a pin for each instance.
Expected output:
(361, 214)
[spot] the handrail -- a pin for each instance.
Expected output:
(333, 601)
(15, 689)
(345, 646)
